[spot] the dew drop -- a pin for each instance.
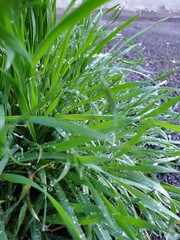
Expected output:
(123, 234)
(82, 236)
(44, 228)
(10, 197)
(53, 182)
(70, 209)
(99, 207)
(50, 189)
(99, 113)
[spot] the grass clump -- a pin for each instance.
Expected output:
(80, 146)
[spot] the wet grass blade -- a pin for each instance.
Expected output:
(68, 22)
(67, 126)
(166, 125)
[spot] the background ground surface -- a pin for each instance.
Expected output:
(162, 52)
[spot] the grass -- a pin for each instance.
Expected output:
(80, 146)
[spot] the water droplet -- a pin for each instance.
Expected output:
(117, 198)
(159, 206)
(123, 234)
(53, 182)
(10, 197)
(99, 207)
(74, 219)
(50, 189)
(70, 209)
(82, 236)
(44, 228)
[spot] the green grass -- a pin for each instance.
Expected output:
(80, 146)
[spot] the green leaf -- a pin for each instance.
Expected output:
(128, 145)
(3, 163)
(166, 125)
(113, 34)
(150, 203)
(138, 34)
(147, 169)
(3, 235)
(121, 223)
(141, 223)
(66, 125)
(100, 203)
(35, 231)
(163, 107)
(2, 118)
(21, 217)
(14, 43)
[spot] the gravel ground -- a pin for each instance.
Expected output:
(162, 50)
(161, 43)
(161, 47)
(162, 53)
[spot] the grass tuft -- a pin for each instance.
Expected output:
(80, 145)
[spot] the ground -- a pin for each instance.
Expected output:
(161, 43)
(161, 46)
(162, 52)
